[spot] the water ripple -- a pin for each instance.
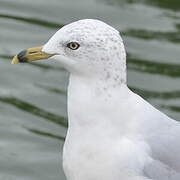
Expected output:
(43, 133)
(164, 4)
(150, 35)
(34, 21)
(51, 89)
(152, 94)
(32, 109)
(167, 69)
(171, 108)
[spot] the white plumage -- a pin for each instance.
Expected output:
(113, 133)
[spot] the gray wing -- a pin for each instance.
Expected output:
(162, 134)
(165, 146)
(160, 171)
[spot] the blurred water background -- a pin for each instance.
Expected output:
(33, 96)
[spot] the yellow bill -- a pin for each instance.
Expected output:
(31, 54)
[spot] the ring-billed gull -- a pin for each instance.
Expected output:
(113, 133)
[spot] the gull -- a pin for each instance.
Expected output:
(113, 133)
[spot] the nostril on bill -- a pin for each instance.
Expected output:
(21, 56)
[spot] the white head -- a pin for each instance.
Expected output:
(98, 49)
(88, 48)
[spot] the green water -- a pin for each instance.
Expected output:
(33, 96)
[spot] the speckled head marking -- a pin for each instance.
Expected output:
(101, 49)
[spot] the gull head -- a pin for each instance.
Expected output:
(86, 47)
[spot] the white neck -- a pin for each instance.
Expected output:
(87, 96)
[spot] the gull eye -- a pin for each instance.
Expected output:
(73, 45)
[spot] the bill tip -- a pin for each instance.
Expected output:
(15, 60)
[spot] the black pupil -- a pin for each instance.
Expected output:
(73, 45)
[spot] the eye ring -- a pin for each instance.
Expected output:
(73, 45)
